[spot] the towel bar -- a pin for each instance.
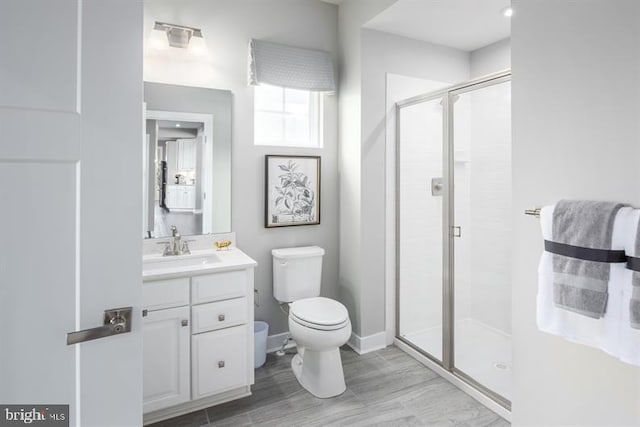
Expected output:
(533, 212)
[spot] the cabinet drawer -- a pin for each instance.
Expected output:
(219, 361)
(165, 293)
(218, 315)
(219, 286)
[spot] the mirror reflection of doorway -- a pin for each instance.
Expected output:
(178, 167)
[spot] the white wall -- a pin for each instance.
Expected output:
(227, 26)
(576, 133)
(490, 59)
(352, 15)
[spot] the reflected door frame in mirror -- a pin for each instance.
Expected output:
(207, 158)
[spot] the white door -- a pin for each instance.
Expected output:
(70, 126)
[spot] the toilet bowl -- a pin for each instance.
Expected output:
(319, 327)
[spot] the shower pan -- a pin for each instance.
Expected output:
(453, 204)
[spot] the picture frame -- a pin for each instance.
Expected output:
(292, 190)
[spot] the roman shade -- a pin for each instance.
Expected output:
(291, 67)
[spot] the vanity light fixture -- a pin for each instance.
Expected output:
(179, 35)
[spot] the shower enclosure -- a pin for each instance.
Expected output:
(453, 190)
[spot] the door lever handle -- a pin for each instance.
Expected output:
(116, 321)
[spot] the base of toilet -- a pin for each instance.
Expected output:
(320, 372)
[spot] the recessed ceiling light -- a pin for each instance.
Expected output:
(507, 11)
(177, 125)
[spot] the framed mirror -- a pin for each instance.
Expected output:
(186, 160)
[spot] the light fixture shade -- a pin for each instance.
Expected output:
(158, 40)
(178, 36)
(197, 46)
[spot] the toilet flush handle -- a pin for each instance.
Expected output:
(283, 263)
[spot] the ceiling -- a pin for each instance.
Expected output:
(462, 24)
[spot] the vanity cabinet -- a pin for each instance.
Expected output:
(181, 197)
(198, 340)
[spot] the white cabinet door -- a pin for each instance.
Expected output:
(182, 197)
(190, 197)
(173, 193)
(186, 154)
(64, 73)
(166, 358)
(219, 361)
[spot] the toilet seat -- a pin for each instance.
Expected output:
(319, 313)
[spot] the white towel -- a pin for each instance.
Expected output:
(608, 332)
(629, 337)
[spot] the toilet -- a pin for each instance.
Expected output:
(318, 325)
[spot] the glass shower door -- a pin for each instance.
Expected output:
(482, 229)
(420, 225)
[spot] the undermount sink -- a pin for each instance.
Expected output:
(168, 262)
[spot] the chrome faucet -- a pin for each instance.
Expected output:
(176, 246)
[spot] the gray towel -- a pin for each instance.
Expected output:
(634, 304)
(578, 285)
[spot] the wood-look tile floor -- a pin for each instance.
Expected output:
(384, 388)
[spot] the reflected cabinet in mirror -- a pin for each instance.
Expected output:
(187, 160)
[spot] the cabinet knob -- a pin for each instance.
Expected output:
(221, 317)
(185, 322)
(221, 364)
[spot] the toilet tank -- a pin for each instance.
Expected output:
(297, 272)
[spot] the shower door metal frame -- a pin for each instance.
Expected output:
(448, 96)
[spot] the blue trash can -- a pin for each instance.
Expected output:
(260, 334)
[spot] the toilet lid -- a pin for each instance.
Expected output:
(319, 312)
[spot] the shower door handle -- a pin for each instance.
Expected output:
(457, 231)
(437, 186)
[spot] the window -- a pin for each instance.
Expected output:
(287, 117)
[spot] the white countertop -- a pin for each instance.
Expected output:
(207, 261)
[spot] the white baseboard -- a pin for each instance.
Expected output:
(274, 342)
(363, 345)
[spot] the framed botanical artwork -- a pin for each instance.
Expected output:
(292, 190)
